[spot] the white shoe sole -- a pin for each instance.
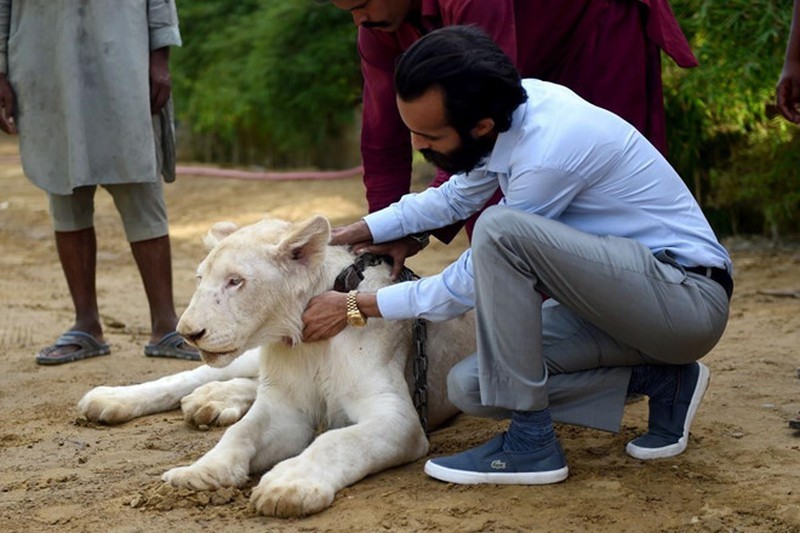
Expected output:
(463, 477)
(645, 454)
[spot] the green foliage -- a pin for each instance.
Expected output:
(277, 76)
(738, 161)
(276, 82)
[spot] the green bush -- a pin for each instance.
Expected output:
(266, 81)
(740, 162)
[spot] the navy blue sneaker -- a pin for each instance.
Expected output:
(490, 464)
(668, 427)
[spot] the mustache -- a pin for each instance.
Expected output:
(427, 152)
(374, 25)
(430, 155)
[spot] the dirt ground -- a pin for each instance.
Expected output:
(741, 472)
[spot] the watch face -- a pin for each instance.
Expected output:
(356, 319)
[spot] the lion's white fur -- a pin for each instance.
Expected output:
(245, 317)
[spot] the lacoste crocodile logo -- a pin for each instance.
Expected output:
(497, 464)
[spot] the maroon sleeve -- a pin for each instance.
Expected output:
(385, 140)
(663, 29)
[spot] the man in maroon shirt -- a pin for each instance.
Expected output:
(607, 51)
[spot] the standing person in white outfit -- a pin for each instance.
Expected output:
(593, 219)
(87, 86)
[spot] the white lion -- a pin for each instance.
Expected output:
(320, 416)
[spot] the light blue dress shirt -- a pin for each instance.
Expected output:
(565, 159)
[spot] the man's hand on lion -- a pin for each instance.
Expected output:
(398, 250)
(325, 316)
(358, 236)
(357, 232)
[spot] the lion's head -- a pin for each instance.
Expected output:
(253, 286)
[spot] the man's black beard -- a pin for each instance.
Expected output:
(375, 25)
(464, 158)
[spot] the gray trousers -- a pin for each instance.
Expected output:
(614, 305)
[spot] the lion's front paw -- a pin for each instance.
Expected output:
(206, 476)
(220, 403)
(106, 405)
(285, 498)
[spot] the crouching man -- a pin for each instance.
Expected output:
(594, 220)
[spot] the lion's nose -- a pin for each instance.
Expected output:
(193, 336)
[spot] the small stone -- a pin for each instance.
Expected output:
(164, 506)
(137, 501)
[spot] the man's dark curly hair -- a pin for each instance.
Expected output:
(477, 78)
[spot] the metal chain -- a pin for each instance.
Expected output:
(419, 337)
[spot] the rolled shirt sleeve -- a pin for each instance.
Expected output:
(162, 19)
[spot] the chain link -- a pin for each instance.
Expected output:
(419, 337)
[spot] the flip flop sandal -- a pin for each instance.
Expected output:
(173, 346)
(795, 422)
(88, 346)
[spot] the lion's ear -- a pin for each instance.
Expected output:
(218, 231)
(306, 241)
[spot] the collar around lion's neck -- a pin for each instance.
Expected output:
(349, 278)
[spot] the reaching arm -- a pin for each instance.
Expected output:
(788, 90)
(440, 297)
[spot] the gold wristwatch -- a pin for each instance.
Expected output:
(354, 315)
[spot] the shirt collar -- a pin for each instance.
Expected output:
(500, 159)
